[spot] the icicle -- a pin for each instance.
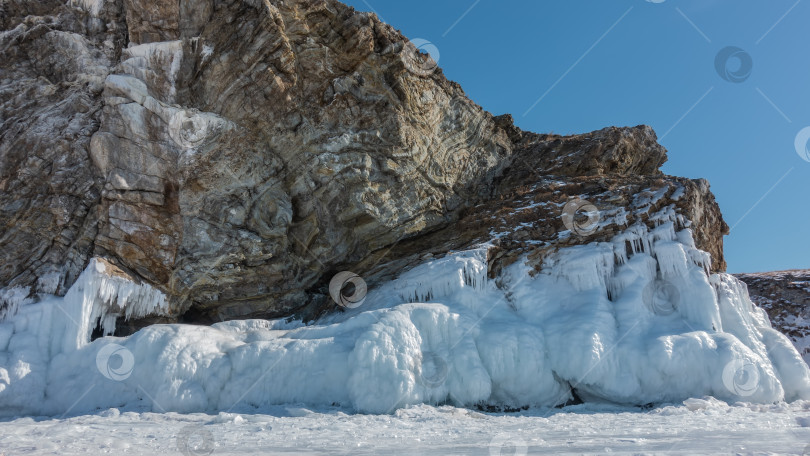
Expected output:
(620, 254)
(636, 236)
(586, 266)
(102, 294)
(11, 299)
(671, 258)
(445, 276)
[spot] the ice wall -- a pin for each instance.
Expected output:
(39, 334)
(635, 320)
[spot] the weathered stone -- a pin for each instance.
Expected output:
(55, 60)
(236, 154)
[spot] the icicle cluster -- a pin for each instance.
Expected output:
(445, 276)
(102, 297)
(667, 248)
(584, 325)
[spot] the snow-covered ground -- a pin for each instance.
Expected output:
(703, 427)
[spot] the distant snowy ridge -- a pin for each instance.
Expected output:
(634, 321)
(785, 296)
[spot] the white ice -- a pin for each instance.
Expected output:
(165, 55)
(697, 427)
(634, 321)
(91, 6)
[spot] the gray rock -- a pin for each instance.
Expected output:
(236, 154)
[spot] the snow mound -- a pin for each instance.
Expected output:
(633, 321)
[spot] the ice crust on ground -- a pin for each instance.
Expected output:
(701, 426)
(593, 320)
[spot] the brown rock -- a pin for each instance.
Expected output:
(236, 154)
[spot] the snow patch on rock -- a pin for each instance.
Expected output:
(166, 56)
(91, 6)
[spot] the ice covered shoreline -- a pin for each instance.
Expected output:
(634, 321)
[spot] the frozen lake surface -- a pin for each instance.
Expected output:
(702, 426)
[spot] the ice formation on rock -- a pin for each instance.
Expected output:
(442, 332)
(91, 6)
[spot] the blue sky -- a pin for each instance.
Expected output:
(595, 63)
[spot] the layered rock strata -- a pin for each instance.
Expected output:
(235, 155)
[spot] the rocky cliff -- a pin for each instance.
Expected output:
(207, 160)
(785, 295)
(237, 154)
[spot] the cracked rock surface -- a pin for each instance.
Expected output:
(237, 154)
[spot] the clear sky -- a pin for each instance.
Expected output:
(572, 66)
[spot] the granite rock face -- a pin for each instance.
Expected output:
(237, 154)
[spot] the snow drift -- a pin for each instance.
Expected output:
(634, 321)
